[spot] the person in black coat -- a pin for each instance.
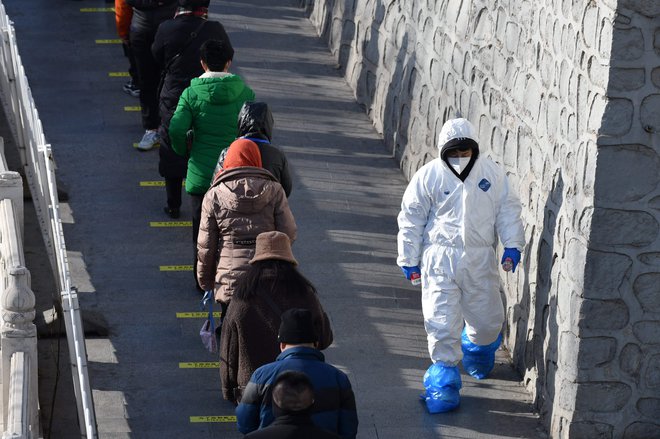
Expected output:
(255, 123)
(147, 16)
(293, 396)
(176, 49)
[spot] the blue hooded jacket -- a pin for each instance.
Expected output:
(334, 402)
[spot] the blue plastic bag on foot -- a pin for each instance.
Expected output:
(479, 360)
(442, 383)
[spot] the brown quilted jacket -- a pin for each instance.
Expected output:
(241, 203)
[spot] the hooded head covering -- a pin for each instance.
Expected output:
(242, 152)
(199, 8)
(458, 134)
(255, 121)
(455, 134)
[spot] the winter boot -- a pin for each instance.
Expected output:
(441, 383)
(478, 360)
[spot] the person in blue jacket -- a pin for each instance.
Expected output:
(334, 407)
(293, 396)
(452, 212)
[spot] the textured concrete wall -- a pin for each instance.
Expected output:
(564, 94)
(619, 357)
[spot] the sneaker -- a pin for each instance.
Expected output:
(172, 213)
(149, 140)
(131, 89)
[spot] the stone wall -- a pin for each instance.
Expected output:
(619, 358)
(564, 94)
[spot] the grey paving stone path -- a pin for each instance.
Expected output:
(345, 199)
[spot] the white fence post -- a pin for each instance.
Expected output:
(18, 426)
(11, 188)
(17, 332)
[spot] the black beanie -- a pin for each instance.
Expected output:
(297, 327)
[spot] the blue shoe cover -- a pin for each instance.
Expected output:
(479, 360)
(442, 384)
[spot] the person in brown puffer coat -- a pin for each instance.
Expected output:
(270, 286)
(243, 201)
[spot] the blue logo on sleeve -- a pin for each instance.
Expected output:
(484, 185)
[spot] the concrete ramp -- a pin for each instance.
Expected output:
(151, 376)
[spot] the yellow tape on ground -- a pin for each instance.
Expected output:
(170, 223)
(113, 41)
(176, 268)
(133, 108)
(118, 74)
(97, 9)
(157, 183)
(213, 419)
(196, 315)
(200, 365)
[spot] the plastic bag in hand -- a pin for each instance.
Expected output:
(207, 333)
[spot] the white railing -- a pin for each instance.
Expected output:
(18, 419)
(18, 335)
(37, 161)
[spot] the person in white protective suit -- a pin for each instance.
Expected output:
(451, 214)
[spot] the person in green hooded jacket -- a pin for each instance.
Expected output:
(207, 112)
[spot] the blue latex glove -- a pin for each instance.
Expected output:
(408, 271)
(514, 255)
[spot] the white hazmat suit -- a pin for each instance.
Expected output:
(448, 227)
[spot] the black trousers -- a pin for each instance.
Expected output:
(148, 72)
(173, 190)
(132, 68)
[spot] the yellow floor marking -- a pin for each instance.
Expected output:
(133, 108)
(200, 365)
(196, 315)
(118, 74)
(97, 9)
(176, 268)
(170, 224)
(156, 183)
(213, 419)
(117, 41)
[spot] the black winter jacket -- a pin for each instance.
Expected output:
(172, 35)
(255, 122)
(148, 14)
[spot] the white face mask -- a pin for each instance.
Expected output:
(458, 163)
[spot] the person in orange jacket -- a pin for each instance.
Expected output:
(123, 16)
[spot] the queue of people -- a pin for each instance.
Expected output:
(273, 326)
(213, 135)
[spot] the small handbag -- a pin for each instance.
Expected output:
(207, 333)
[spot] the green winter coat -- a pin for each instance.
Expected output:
(209, 107)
